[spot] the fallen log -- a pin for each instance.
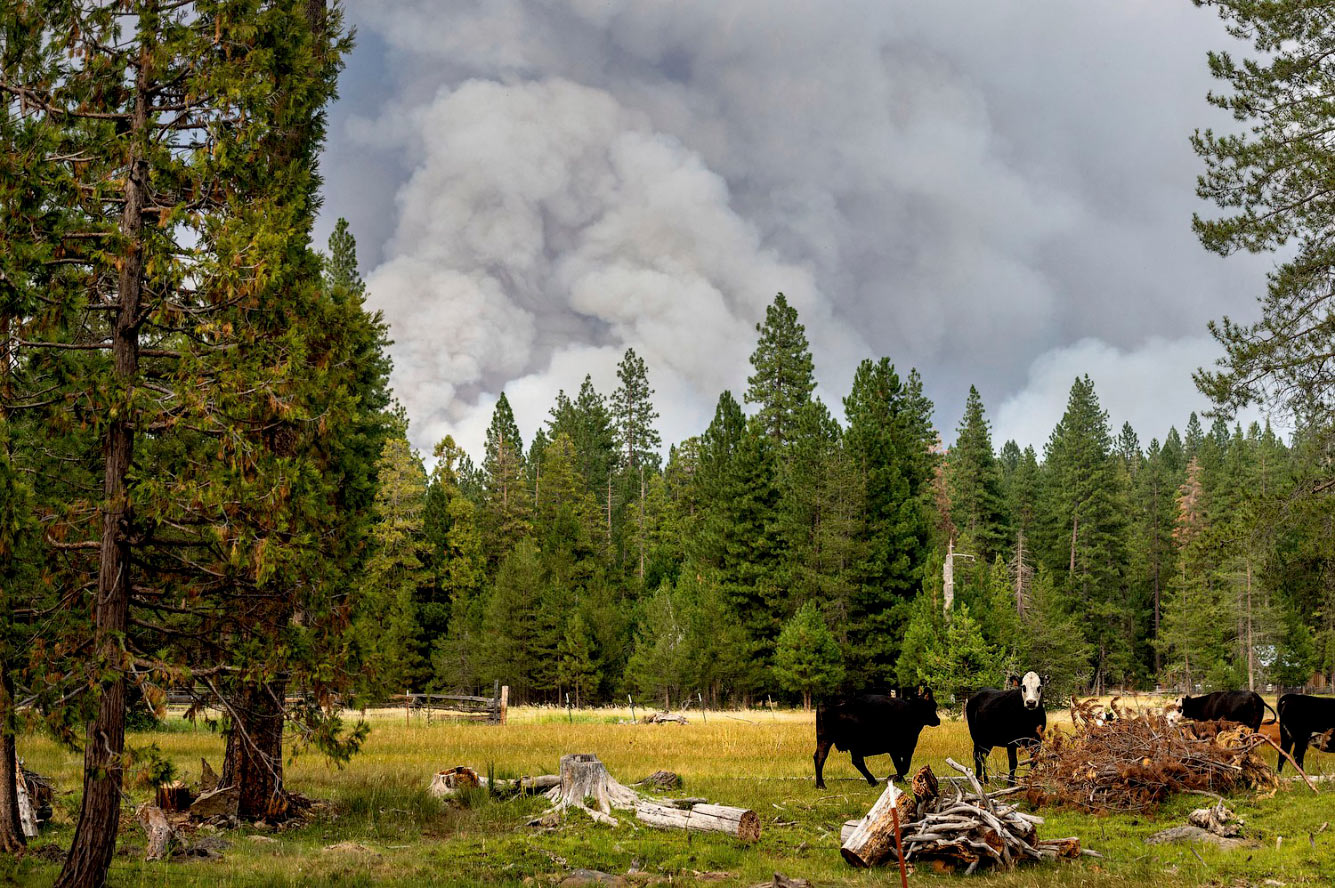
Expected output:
(665, 718)
(740, 823)
(160, 832)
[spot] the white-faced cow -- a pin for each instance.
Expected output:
(1244, 707)
(873, 724)
(1305, 720)
(1011, 718)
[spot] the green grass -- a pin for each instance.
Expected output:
(759, 760)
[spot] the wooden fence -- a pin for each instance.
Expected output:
(493, 709)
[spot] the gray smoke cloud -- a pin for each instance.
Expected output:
(990, 192)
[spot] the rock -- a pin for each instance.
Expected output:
(262, 840)
(583, 877)
(218, 803)
(782, 881)
(1218, 820)
(352, 848)
(1196, 834)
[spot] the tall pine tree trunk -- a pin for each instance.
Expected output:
(253, 760)
(99, 815)
(11, 832)
(1251, 647)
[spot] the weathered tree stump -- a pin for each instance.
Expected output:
(584, 778)
(208, 778)
(739, 823)
(450, 782)
(160, 832)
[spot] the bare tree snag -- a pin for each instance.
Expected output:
(739, 823)
(160, 832)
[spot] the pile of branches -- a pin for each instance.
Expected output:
(954, 825)
(1137, 759)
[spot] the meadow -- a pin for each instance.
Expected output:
(756, 759)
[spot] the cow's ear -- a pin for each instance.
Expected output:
(1013, 681)
(927, 694)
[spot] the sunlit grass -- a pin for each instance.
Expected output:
(758, 759)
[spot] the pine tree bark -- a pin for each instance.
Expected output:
(253, 761)
(11, 831)
(99, 816)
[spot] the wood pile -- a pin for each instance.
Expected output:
(665, 718)
(1137, 760)
(952, 828)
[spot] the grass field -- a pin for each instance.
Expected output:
(757, 760)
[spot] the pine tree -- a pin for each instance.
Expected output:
(1084, 536)
(385, 616)
(633, 416)
(807, 659)
(1053, 642)
(340, 271)
(156, 283)
(977, 507)
(575, 669)
(889, 439)
(508, 501)
(510, 613)
(784, 377)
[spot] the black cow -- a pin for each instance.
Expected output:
(1010, 718)
(873, 724)
(1244, 707)
(1302, 720)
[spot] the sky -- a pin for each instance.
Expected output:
(999, 194)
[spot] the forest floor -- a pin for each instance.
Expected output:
(755, 759)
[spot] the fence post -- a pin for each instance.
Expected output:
(505, 702)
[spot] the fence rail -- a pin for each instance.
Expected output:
(494, 708)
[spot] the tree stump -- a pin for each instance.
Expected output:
(174, 797)
(585, 779)
(736, 822)
(449, 783)
(160, 832)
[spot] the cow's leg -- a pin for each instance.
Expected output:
(980, 761)
(822, 752)
(862, 766)
(1286, 744)
(902, 762)
(1013, 759)
(1300, 748)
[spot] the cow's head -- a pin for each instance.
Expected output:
(1324, 741)
(925, 702)
(1172, 713)
(1031, 690)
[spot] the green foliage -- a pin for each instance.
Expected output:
(977, 505)
(949, 655)
(1052, 642)
(807, 659)
(784, 377)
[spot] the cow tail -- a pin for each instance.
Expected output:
(1268, 706)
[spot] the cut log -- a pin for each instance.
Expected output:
(737, 822)
(174, 797)
(159, 831)
(219, 801)
(874, 838)
(451, 782)
(583, 777)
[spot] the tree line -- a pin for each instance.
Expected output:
(783, 553)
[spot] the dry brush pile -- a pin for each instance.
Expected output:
(1135, 761)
